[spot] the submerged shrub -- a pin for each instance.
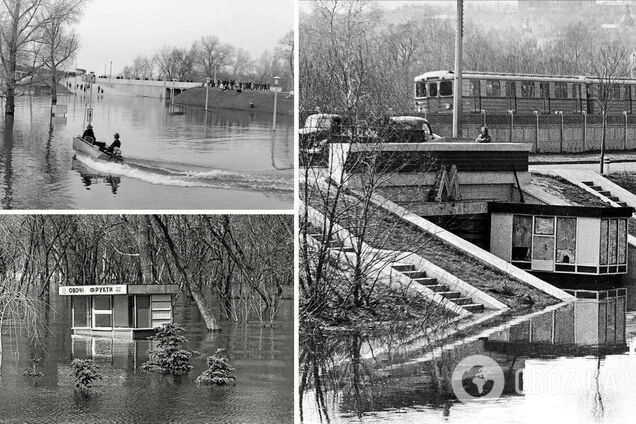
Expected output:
(219, 371)
(170, 355)
(34, 368)
(85, 373)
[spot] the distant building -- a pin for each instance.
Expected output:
(554, 4)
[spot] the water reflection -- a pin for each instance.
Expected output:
(262, 356)
(574, 356)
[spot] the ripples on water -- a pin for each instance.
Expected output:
(263, 358)
(222, 159)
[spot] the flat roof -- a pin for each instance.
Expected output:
(554, 210)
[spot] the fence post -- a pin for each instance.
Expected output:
(536, 133)
(584, 130)
(512, 123)
(625, 131)
(560, 112)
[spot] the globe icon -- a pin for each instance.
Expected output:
(477, 378)
(476, 383)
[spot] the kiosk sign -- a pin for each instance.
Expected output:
(93, 290)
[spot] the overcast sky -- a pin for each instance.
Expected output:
(119, 30)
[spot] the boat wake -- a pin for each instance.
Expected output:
(212, 178)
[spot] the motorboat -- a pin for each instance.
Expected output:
(94, 150)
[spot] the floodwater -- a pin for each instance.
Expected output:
(263, 358)
(176, 157)
(575, 364)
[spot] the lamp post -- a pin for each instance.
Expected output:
(276, 82)
(207, 92)
(174, 80)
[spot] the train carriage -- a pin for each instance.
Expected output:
(498, 93)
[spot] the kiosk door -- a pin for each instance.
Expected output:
(103, 312)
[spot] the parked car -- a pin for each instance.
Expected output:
(405, 129)
(319, 129)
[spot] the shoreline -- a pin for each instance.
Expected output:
(263, 101)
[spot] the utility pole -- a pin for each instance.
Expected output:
(457, 86)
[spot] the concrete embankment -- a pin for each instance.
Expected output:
(263, 101)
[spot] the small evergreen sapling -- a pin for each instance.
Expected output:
(219, 371)
(170, 356)
(85, 373)
(34, 368)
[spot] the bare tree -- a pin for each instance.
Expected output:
(285, 51)
(241, 63)
(18, 28)
(60, 43)
(609, 69)
(212, 55)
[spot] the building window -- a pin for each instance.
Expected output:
(566, 241)
(446, 88)
(561, 90)
(81, 309)
(544, 226)
(521, 238)
(544, 90)
(622, 241)
(102, 312)
(527, 89)
(420, 89)
(492, 88)
(432, 89)
(511, 88)
(475, 87)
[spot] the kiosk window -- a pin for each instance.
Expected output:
(521, 238)
(566, 241)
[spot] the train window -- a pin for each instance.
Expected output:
(527, 89)
(627, 92)
(476, 87)
(511, 88)
(446, 88)
(420, 89)
(492, 88)
(544, 90)
(432, 89)
(561, 90)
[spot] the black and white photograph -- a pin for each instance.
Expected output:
(467, 189)
(146, 105)
(146, 318)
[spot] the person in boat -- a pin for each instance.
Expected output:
(89, 133)
(116, 146)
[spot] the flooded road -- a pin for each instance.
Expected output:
(176, 157)
(263, 358)
(576, 364)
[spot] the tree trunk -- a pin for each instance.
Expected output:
(53, 83)
(195, 291)
(603, 141)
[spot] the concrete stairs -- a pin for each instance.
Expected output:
(605, 193)
(443, 290)
(419, 277)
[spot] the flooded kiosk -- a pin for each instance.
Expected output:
(127, 311)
